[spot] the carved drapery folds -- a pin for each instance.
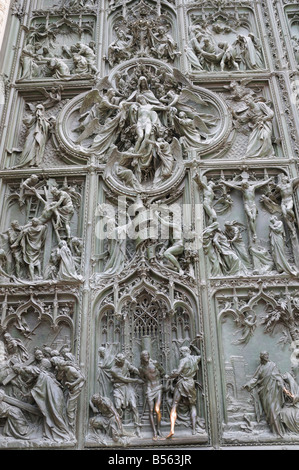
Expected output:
(223, 39)
(40, 378)
(142, 343)
(59, 48)
(270, 313)
(40, 240)
(149, 224)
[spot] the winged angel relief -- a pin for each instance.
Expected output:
(141, 130)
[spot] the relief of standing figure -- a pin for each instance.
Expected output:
(151, 372)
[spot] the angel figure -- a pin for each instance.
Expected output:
(53, 97)
(247, 323)
(118, 165)
(102, 115)
(238, 89)
(180, 103)
(186, 127)
(168, 154)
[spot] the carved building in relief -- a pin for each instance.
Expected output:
(149, 238)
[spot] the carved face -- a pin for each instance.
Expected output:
(35, 222)
(38, 355)
(143, 83)
(15, 224)
(120, 360)
(184, 351)
(264, 356)
(101, 352)
(145, 357)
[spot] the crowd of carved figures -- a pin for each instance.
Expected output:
(226, 248)
(24, 245)
(142, 34)
(206, 53)
(43, 56)
(145, 121)
(39, 391)
(117, 376)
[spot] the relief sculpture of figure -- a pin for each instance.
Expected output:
(250, 51)
(290, 412)
(123, 391)
(210, 250)
(164, 46)
(64, 210)
(151, 372)
(67, 269)
(176, 247)
(73, 380)
(106, 419)
(260, 116)
(27, 185)
(277, 242)
(38, 131)
(271, 394)
(286, 188)
(30, 69)
(31, 240)
(16, 424)
(185, 386)
(15, 247)
(48, 395)
(248, 189)
(120, 48)
(193, 50)
(233, 231)
(59, 69)
(86, 51)
(231, 262)
(208, 197)
(106, 360)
